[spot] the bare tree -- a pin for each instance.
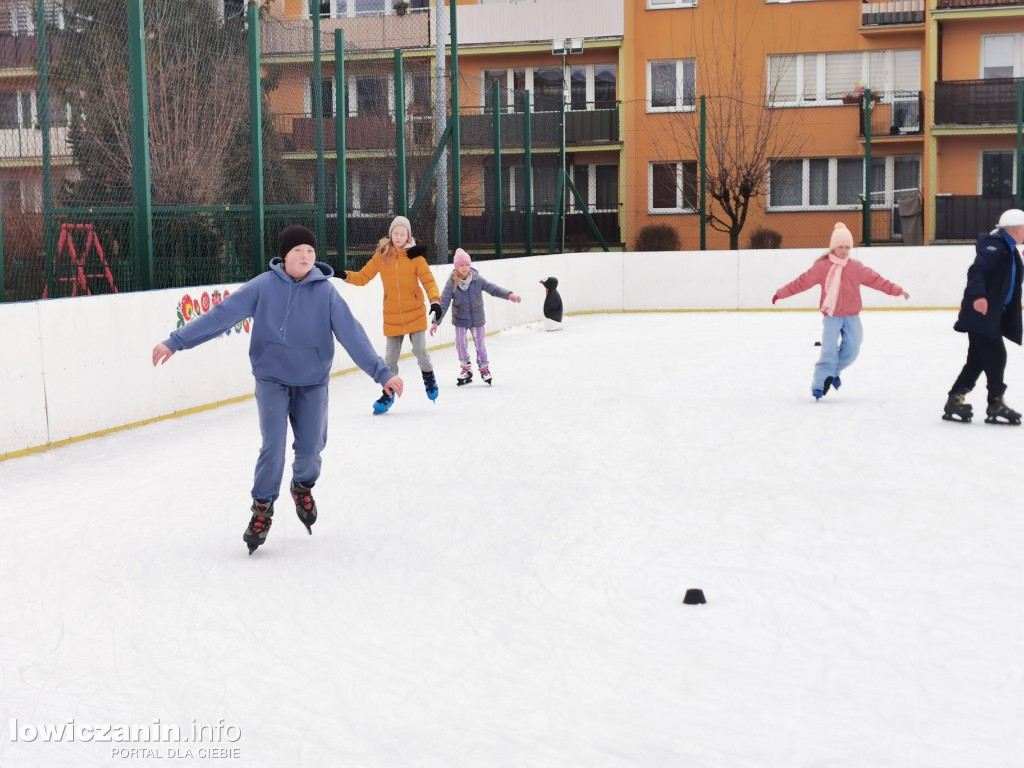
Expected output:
(744, 134)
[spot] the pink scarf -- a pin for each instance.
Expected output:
(832, 282)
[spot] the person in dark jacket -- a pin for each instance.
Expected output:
(990, 310)
(297, 314)
(464, 291)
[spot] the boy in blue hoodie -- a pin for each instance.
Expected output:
(295, 311)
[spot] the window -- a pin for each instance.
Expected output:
(370, 95)
(1002, 56)
(578, 89)
(499, 76)
(671, 85)
(598, 185)
(672, 187)
(997, 174)
(655, 5)
(18, 110)
(815, 79)
(838, 182)
(21, 18)
(332, 9)
(369, 193)
(547, 89)
(604, 86)
(326, 98)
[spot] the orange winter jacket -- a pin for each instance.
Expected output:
(404, 309)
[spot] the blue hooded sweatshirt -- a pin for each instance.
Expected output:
(293, 323)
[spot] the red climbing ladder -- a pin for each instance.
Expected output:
(79, 279)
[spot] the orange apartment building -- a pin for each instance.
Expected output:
(944, 73)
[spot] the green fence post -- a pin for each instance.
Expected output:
(496, 108)
(141, 182)
(456, 132)
(318, 122)
(256, 138)
(403, 191)
(340, 151)
(528, 169)
(44, 126)
(703, 173)
(3, 285)
(868, 175)
(1020, 147)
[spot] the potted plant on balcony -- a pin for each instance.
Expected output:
(401, 6)
(857, 94)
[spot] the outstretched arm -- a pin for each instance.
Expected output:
(235, 308)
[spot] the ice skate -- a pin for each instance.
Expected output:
(836, 383)
(998, 413)
(383, 403)
(259, 525)
(465, 375)
(957, 410)
(818, 393)
(430, 383)
(485, 374)
(305, 506)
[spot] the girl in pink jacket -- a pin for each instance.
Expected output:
(840, 278)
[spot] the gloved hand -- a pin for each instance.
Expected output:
(775, 298)
(435, 309)
(343, 275)
(412, 251)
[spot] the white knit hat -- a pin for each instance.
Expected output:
(400, 221)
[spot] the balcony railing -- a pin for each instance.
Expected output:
(22, 51)
(958, 4)
(976, 102)
(279, 37)
(897, 113)
(964, 217)
(892, 12)
(27, 144)
(377, 132)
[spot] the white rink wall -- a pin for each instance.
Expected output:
(74, 367)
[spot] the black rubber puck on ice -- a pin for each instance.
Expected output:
(694, 597)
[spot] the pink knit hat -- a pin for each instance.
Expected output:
(840, 236)
(461, 257)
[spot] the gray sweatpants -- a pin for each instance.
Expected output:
(419, 348)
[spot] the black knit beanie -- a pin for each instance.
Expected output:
(292, 236)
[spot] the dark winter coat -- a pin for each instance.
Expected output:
(989, 277)
(468, 305)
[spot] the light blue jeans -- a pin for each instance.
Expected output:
(840, 344)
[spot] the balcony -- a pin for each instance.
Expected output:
(880, 14)
(287, 37)
(976, 102)
(24, 146)
(594, 126)
(491, 23)
(897, 113)
(948, 5)
(22, 51)
(964, 217)
(377, 132)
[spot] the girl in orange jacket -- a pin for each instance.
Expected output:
(403, 270)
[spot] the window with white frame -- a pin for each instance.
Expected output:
(20, 109)
(671, 85)
(816, 79)
(657, 5)
(672, 187)
(513, 187)
(334, 9)
(997, 173)
(838, 182)
(21, 195)
(590, 86)
(598, 184)
(327, 97)
(1002, 56)
(370, 193)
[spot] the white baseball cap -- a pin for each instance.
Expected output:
(1014, 217)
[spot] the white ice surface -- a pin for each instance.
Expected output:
(497, 579)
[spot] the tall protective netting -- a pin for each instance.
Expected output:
(362, 73)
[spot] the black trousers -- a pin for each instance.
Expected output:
(983, 354)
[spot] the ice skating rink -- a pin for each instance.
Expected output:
(497, 579)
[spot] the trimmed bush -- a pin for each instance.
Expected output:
(657, 237)
(764, 238)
